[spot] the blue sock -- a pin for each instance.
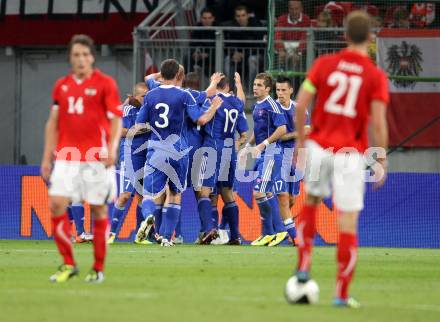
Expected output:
(148, 208)
(265, 215)
(231, 212)
(225, 220)
(78, 216)
(277, 223)
(69, 213)
(169, 221)
(158, 217)
(328, 202)
(139, 216)
(205, 209)
(160, 226)
(117, 214)
(214, 216)
(289, 224)
(179, 226)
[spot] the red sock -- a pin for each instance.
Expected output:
(100, 232)
(61, 234)
(306, 234)
(347, 258)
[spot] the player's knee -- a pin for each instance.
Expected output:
(204, 192)
(57, 206)
(283, 199)
(348, 222)
(313, 200)
(123, 198)
(291, 201)
(98, 211)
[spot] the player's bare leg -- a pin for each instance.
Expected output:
(346, 257)
(306, 235)
(100, 233)
(230, 210)
(61, 230)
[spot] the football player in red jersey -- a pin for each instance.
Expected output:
(349, 93)
(81, 140)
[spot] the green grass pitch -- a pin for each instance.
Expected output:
(212, 283)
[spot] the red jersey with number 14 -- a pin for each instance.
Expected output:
(84, 111)
(346, 83)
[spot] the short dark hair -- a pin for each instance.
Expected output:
(283, 79)
(358, 26)
(268, 81)
(169, 69)
(207, 10)
(192, 80)
(241, 7)
(223, 82)
(82, 40)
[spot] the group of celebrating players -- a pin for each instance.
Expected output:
(175, 137)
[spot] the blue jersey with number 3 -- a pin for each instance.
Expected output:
(166, 108)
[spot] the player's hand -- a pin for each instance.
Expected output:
(216, 102)
(46, 169)
(237, 79)
(217, 77)
(380, 176)
(108, 159)
(259, 148)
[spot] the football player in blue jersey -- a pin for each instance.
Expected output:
(166, 109)
(269, 127)
(287, 186)
(131, 162)
(219, 159)
(194, 136)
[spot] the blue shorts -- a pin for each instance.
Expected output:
(223, 175)
(268, 170)
(282, 184)
(161, 172)
(131, 169)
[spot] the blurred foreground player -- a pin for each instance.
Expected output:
(82, 134)
(350, 90)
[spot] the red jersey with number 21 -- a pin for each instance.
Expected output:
(346, 83)
(84, 112)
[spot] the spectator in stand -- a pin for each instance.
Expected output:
(291, 45)
(400, 18)
(244, 57)
(326, 41)
(422, 14)
(203, 52)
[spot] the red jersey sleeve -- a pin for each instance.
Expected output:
(111, 98)
(380, 89)
(55, 95)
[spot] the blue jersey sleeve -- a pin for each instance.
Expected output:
(152, 83)
(142, 115)
(194, 110)
(242, 125)
(278, 119)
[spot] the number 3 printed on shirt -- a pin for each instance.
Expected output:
(345, 85)
(163, 116)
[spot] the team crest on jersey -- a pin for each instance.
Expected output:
(90, 91)
(64, 88)
(404, 60)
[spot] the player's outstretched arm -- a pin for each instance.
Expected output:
(212, 88)
(240, 92)
(50, 142)
(209, 114)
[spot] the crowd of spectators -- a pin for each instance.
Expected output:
(241, 47)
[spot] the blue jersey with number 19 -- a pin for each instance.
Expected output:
(228, 118)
